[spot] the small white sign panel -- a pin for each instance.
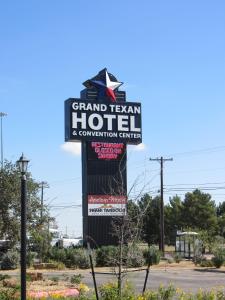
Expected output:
(106, 209)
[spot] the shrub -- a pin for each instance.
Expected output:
(177, 257)
(4, 276)
(71, 257)
(109, 291)
(30, 258)
(106, 256)
(76, 279)
(197, 259)
(77, 258)
(167, 293)
(55, 265)
(58, 254)
(135, 257)
(152, 255)
(151, 295)
(8, 294)
(55, 279)
(219, 257)
(83, 261)
(202, 261)
(128, 292)
(170, 260)
(70, 260)
(10, 260)
(205, 263)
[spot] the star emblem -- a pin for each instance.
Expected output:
(105, 85)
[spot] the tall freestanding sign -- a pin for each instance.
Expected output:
(105, 123)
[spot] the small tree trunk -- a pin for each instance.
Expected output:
(92, 270)
(120, 264)
(146, 278)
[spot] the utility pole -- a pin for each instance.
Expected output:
(161, 160)
(43, 185)
(2, 114)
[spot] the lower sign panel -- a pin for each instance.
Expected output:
(106, 209)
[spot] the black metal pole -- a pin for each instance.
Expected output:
(146, 277)
(92, 270)
(161, 209)
(162, 233)
(23, 249)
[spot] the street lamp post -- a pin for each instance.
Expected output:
(22, 164)
(2, 114)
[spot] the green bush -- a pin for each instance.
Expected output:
(177, 257)
(109, 291)
(77, 258)
(197, 259)
(76, 279)
(55, 279)
(170, 260)
(10, 260)
(106, 256)
(152, 255)
(30, 258)
(58, 254)
(52, 264)
(219, 257)
(8, 294)
(134, 257)
(167, 293)
(201, 261)
(4, 276)
(72, 257)
(83, 261)
(205, 263)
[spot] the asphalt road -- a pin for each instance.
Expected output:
(189, 280)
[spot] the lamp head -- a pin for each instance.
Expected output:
(22, 164)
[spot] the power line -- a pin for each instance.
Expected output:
(200, 151)
(64, 180)
(206, 183)
(65, 207)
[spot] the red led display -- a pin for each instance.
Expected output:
(106, 151)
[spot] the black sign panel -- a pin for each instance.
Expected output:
(104, 122)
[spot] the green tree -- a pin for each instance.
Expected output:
(220, 210)
(134, 217)
(150, 209)
(10, 200)
(199, 212)
(173, 219)
(132, 209)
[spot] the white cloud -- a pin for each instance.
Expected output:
(72, 148)
(139, 147)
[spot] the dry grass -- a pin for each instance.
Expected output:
(49, 285)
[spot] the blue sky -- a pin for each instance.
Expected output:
(170, 56)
